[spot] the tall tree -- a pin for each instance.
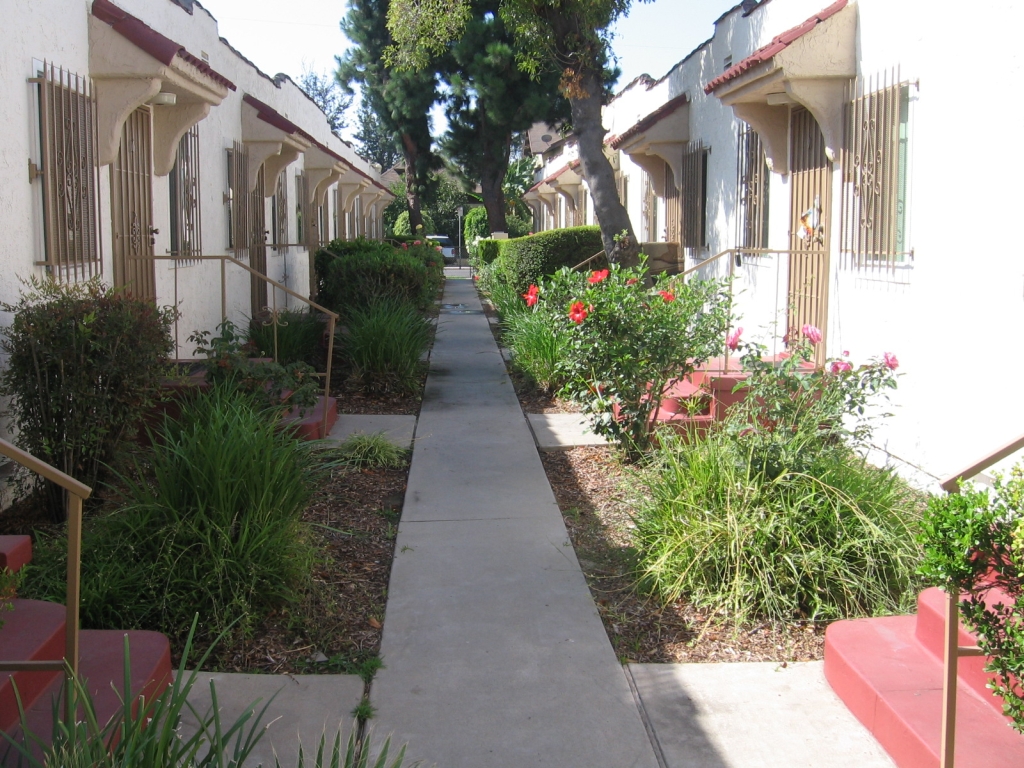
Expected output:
(489, 100)
(376, 143)
(327, 94)
(401, 98)
(570, 37)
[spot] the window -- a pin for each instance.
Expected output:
(238, 200)
(694, 193)
(279, 214)
(873, 234)
(752, 182)
(186, 221)
(673, 207)
(69, 173)
(649, 213)
(305, 227)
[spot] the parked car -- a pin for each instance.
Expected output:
(448, 249)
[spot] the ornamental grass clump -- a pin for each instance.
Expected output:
(211, 524)
(383, 344)
(974, 541)
(292, 336)
(774, 515)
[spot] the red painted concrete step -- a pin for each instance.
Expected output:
(15, 552)
(33, 631)
(309, 424)
(893, 684)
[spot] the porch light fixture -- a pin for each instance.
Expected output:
(164, 99)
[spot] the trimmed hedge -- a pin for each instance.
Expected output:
(527, 260)
(489, 250)
(354, 273)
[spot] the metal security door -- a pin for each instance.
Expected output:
(257, 245)
(131, 208)
(810, 206)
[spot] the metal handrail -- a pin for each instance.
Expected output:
(952, 650)
(332, 317)
(587, 261)
(77, 493)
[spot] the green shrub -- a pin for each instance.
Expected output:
(519, 226)
(373, 451)
(973, 541)
(833, 542)
(402, 228)
(474, 228)
(384, 343)
(296, 336)
(488, 251)
(213, 526)
(85, 364)
(356, 276)
(527, 260)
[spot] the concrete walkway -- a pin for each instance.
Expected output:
(494, 653)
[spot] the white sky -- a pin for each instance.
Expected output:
(650, 40)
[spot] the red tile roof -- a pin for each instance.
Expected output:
(160, 47)
(642, 125)
(779, 43)
(550, 178)
(270, 115)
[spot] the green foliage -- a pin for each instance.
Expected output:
(212, 525)
(488, 251)
(974, 541)
(401, 227)
(85, 364)
(474, 228)
(324, 91)
(625, 340)
(519, 226)
(231, 363)
(375, 141)
(372, 451)
(142, 733)
(356, 273)
(357, 753)
(833, 542)
(539, 347)
(384, 343)
(528, 260)
(295, 334)
(8, 591)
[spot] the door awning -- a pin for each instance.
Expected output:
(273, 141)
(658, 138)
(810, 65)
(130, 63)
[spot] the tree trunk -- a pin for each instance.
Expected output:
(494, 203)
(608, 209)
(412, 186)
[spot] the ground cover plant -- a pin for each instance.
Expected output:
(85, 364)
(775, 515)
(974, 541)
(211, 524)
(371, 451)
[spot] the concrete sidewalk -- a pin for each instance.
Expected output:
(494, 652)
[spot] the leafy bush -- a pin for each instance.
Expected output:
(474, 228)
(85, 364)
(402, 228)
(231, 363)
(528, 260)
(373, 451)
(213, 526)
(519, 226)
(974, 541)
(358, 273)
(488, 251)
(832, 542)
(623, 340)
(383, 345)
(299, 335)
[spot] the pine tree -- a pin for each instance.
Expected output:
(401, 98)
(376, 143)
(490, 99)
(327, 94)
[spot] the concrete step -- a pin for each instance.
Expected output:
(33, 630)
(309, 424)
(893, 685)
(15, 552)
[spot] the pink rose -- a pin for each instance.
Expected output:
(733, 339)
(437, 248)
(811, 333)
(839, 366)
(890, 361)
(417, 242)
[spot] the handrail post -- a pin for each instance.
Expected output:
(74, 592)
(950, 670)
(331, 324)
